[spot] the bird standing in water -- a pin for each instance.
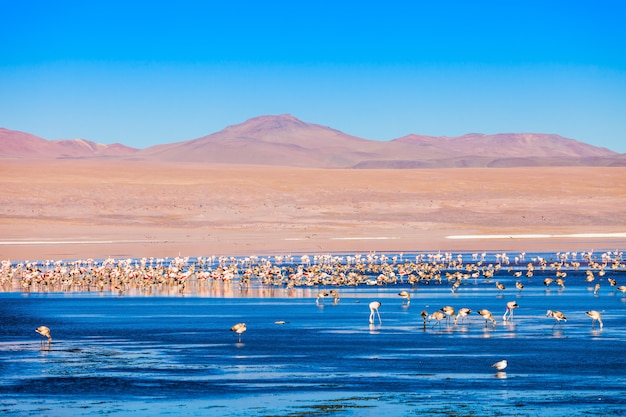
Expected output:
(500, 365)
(510, 306)
(239, 328)
(424, 315)
(462, 315)
(406, 296)
(320, 296)
(486, 314)
(374, 305)
(557, 316)
(596, 316)
(44, 332)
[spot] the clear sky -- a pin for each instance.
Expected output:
(143, 73)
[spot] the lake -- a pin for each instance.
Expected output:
(173, 353)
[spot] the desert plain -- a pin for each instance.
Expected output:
(98, 208)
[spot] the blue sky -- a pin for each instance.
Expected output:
(143, 73)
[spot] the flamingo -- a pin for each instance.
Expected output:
(239, 328)
(448, 311)
(500, 286)
(321, 295)
(462, 315)
(44, 332)
(424, 315)
(486, 314)
(556, 315)
(374, 305)
(596, 316)
(406, 296)
(519, 285)
(510, 306)
(437, 316)
(335, 295)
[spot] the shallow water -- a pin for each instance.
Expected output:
(155, 355)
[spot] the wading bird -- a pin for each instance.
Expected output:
(320, 296)
(239, 328)
(448, 311)
(437, 316)
(596, 316)
(486, 314)
(424, 315)
(462, 315)
(44, 332)
(374, 306)
(405, 296)
(510, 306)
(557, 316)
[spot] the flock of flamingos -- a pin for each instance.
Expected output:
(191, 275)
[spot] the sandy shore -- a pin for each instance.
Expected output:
(70, 209)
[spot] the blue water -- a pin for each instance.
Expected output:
(175, 355)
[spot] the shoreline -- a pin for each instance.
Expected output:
(71, 209)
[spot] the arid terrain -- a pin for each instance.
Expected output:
(94, 208)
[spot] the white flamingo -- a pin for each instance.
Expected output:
(510, 306)
(374, 305)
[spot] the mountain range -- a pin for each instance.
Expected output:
(287, 141)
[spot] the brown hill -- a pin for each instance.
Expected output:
(271, 140)
(15, 144)
(287, 141)
(283, 140)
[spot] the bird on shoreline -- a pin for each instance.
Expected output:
(596, 317)
(374, 306)
(239, 328)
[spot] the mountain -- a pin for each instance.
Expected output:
(15, 144)
(287, 141)
(271, 140)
